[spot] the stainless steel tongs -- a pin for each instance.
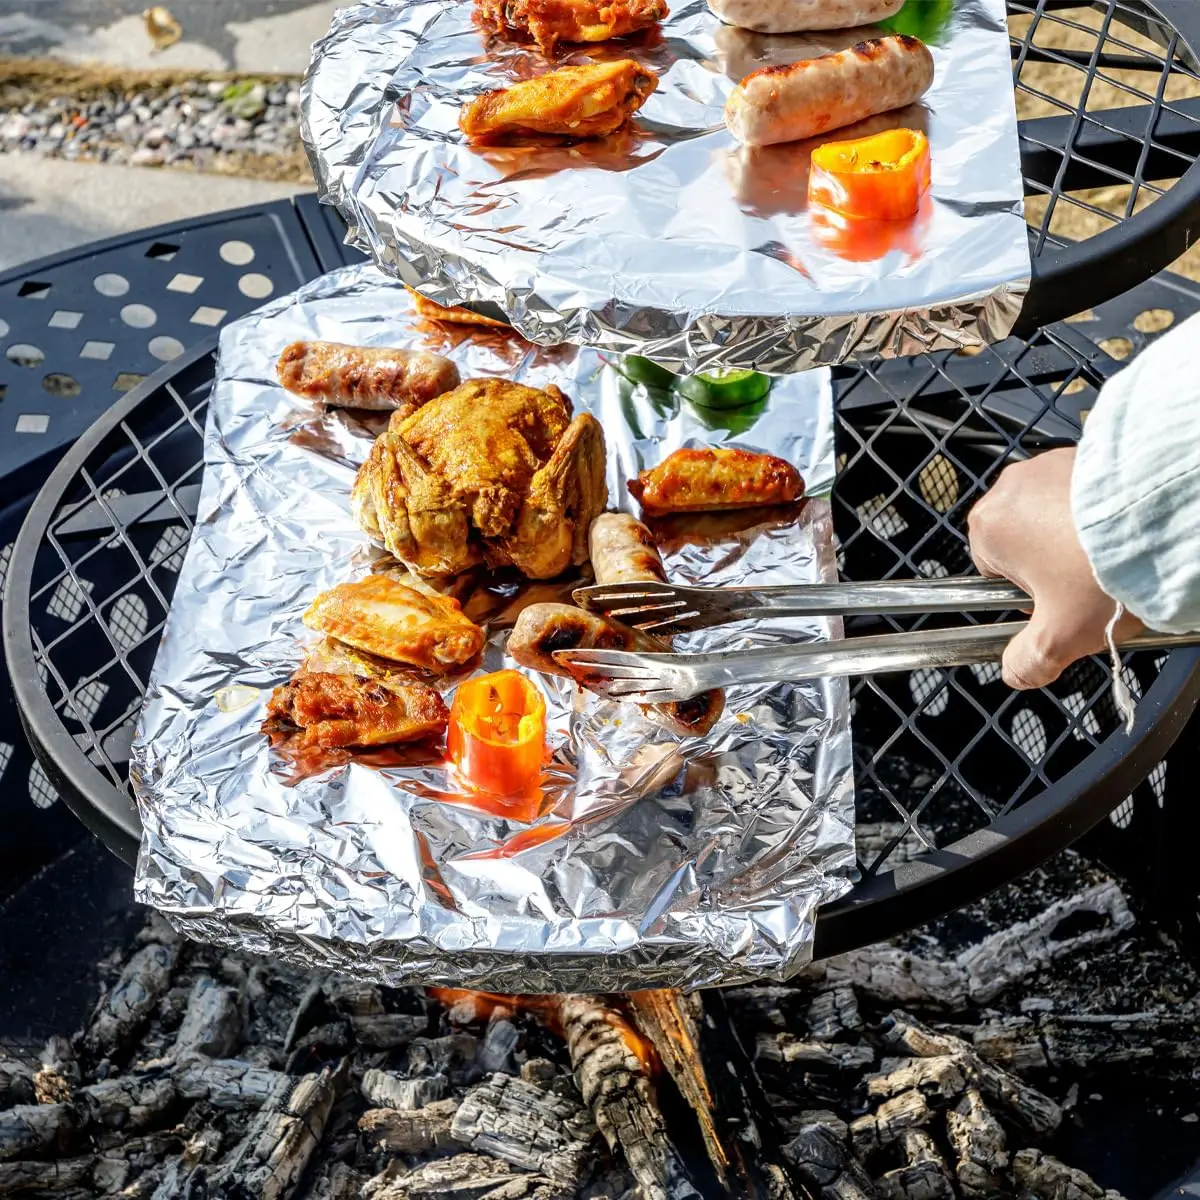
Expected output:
(660, 678)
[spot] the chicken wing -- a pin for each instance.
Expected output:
(347, 710)
(549, 22)
(712, 479)
(455, 315)
(391, 621)
(580, 102)
(365, 376)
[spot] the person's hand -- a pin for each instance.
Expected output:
(1023, 530)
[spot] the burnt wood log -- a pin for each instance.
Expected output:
(129, 1102)
(35, 1129)
(882, 1127)
(463, 1177)
(227, 1082)
(833, 1013)
(830, 1056)
(666, 1017)
(937, 1079)
(273, 1155)
(1009, 1042)
(386, 1089)
(924, 1175)
(455, 1055)
(981, 972)
(612, 1074)
(212, 1021)
(370, 1022)
(183, 1178)
(45, 1176)
(980, 1147)
(532, 1129)
(16, 1083)
(413, 1131)
(121, 1013)
(1042, 1177)
(1033, 1108)
(826, 1166)
(338, 1182)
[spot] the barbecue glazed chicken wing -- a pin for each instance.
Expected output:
(348, 710)
(582, 102)
(494, 472)
(549, 22)
(390, 621)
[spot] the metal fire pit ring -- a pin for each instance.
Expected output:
(93, 570)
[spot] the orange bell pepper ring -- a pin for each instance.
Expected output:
(881, 177)
(497, 736)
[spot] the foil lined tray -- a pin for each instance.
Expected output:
(668, 239)
(657, 861)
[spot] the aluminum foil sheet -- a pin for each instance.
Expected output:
(657, 861)
(669, 240)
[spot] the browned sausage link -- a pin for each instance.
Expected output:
(622, 550)
(365, 376)
(799, 16)
(808, 98)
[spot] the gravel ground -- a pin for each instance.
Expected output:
(246, 127)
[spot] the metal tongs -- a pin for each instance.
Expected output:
(664, 610)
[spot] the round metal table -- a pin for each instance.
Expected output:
(961, 783)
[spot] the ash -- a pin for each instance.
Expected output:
(948, 1064)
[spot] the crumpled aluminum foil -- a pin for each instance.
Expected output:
(659, 862)
(672, 241)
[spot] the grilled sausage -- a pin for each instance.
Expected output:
(799, 16)
(543, 628)
(365, 376)
(808, 98)
(622, 550)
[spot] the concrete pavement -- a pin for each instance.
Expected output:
(263, 36)
(47, 205)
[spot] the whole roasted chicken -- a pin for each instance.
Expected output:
(491, 472)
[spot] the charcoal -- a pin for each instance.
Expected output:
(122, 1012)
(275, 1151)
(372, 1025)
(453, 1055)
(826, 1167)
(386, 1089)
(1042, 1177)
(59, 1073)
(924, 1175)
(541, 1072)
(16, 1083)
(979, 1146)
(33, 1129)
(128, 1102)
(212, 1022)
(1035, 1110)
(832, 1014)
(226, 1082)
(415, 1131)
(937, 1079)
(615, 1084)
(527, 1127)
(463, 1177)
(830, 1056)
(338, 1182)
(908, 1110)
(498, 1045)
(45, 1176)
(183, 1177)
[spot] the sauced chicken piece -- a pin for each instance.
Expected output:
(492, 470)
(622, 550)
(581, 102)
(391, 621)
(713, 479)
(549, 22)
(541, 629)
(348, 710)
(365, 376)
(452, 315)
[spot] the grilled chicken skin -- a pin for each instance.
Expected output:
(347, 710)
(709, 480)
(386, 619)
(582, 102)
(548, 22)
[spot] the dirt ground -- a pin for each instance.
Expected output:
(1060, 88)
